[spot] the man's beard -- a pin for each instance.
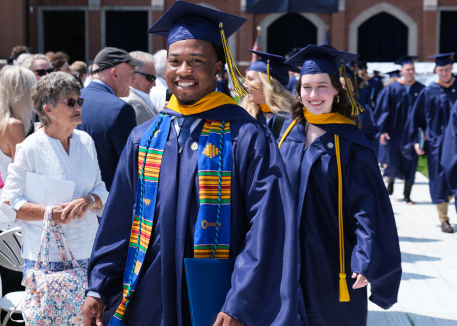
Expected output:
(186, 102)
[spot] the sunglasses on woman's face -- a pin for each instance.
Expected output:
(71, 101)
(43, 72)
(149, 78)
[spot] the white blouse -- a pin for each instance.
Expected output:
(44, 155)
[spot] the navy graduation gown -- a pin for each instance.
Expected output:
(368, 125)
(431, 113)
(370, 235)
(449, 156)
(263, 230)
(393, 108)
(374, 86)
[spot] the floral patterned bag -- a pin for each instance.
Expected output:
(54, 298)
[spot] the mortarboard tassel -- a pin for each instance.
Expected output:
(268, 70)
(241, 85)
(356, 107)
(344, 293)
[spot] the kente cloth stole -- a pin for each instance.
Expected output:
(151, 147)
(212, 232)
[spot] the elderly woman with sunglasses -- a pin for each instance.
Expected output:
(58, 151)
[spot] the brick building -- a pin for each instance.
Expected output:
(378, 30)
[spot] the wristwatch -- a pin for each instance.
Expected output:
(93, 199)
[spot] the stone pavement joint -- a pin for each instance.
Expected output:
(428, 290)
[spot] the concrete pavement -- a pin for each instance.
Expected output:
(428, 291)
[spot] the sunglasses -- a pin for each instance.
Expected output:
(150, 78)
(71, 102)
(43, 72)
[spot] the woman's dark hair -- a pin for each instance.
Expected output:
(343, 106)
(219, 53)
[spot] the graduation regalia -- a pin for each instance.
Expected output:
(431, 114)
(263, 225)
(393, 109)
(449, 156)
(362, 218)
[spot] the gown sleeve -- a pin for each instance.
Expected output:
(376, 253)
(416, 120)
(449, 156)
(107, 262)
(265, 278)
(382, 111)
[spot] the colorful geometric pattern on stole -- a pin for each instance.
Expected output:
(153, 143)
(208, 182)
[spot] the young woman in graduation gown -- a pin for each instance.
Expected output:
(347, 231)
(271, 75)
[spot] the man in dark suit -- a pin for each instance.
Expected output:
(107, 118)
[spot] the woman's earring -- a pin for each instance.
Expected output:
(217, 75)
(337, 99)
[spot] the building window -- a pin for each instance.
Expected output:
(448, 41)
(288, 32)
(69, 37)
(382, 38)
(127, 30)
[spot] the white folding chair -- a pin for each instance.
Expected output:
(11, 258)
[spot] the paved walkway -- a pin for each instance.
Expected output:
(428, 291)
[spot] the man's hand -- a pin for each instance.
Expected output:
(418, 150)
(383, 137)
(225, 320)
(165, 104)
(93, 311)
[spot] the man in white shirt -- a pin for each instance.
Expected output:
(158, 93)
(140, 88)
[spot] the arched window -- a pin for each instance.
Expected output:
(288, 32)
(382, 38)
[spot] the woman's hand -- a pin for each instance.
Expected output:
(360, 282)
(76, 209)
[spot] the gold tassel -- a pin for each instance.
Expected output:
(356, 107)
(344, 293)
(241, 85)
(268, 70)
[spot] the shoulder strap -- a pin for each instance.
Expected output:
(279, 121)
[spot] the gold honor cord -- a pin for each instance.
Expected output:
(287, 132)
(241, 85)
(344, 293)
(356, 107)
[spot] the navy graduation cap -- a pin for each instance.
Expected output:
(184, 21)
(273, 65)
(443, 59)
(316, 59)
(358, 64)
(404, 59)
(394, 73)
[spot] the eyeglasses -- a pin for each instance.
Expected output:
(149, 77)
(71, 101)
(43, 72)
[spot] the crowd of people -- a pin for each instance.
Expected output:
(167, 166)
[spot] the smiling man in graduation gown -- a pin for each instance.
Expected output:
(392, 111)
(209, 166)
(431, 114)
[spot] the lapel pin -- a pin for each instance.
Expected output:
(194, 146)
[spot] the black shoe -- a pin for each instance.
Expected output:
(446, 228)
(390, 188)
(408, 200)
